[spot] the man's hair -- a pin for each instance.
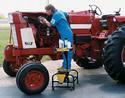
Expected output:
(50, 7)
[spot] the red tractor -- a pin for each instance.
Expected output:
(97, 41)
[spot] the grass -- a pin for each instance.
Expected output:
(4, 26)
(4, 38)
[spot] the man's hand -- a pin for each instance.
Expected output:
(48, 24)
(44, 21)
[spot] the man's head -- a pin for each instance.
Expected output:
(50, 9)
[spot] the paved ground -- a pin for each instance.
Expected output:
(93, 84)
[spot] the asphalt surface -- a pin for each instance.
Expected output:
(93, 84)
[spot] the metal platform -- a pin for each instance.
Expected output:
(67, 79)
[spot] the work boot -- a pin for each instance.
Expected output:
(60, 68)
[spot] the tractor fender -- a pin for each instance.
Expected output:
(122, 32)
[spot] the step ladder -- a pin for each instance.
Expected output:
(65, 78)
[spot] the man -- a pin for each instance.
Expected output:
(60, 22)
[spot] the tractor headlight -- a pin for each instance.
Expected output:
(10, 18)
(114, 19)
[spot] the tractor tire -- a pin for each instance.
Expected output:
(113, 55)
(32, 78)
(8, 69)
(86, 64)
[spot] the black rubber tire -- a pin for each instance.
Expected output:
(85, 63)
(7, 69)
(113, 49)
(23, 71)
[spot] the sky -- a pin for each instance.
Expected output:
(107, 6)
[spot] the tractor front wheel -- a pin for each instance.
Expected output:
(32, 78)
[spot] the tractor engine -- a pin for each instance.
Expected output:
(44, 36)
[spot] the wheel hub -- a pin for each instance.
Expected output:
(34, 80)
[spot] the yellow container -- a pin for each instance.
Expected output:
(61, 77)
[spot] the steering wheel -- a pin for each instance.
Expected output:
(95, 9)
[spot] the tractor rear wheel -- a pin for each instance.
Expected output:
(87, 64)
(114, 55)
(7, 67)
(32, 78)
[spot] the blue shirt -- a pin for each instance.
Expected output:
(60, 22)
